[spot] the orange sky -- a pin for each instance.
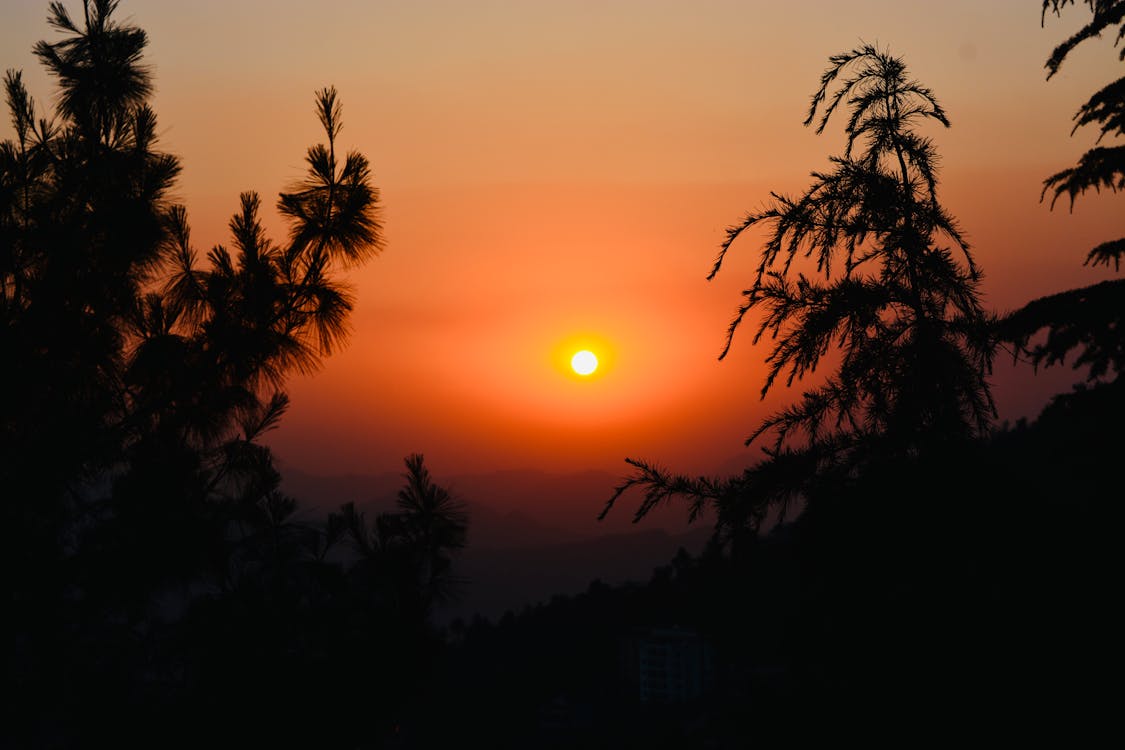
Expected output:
(558, 170)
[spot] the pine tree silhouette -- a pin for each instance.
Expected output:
(894, 293)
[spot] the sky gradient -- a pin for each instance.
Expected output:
(558, 175)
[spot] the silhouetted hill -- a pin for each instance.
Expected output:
(323, 493)
(562, 507)
(501, 579)
(531, 534)
(569, 501)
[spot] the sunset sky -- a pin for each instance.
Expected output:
(558, 176)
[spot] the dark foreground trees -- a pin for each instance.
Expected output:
(890, 288)
(139, 369)
(158, 587)
(1086, 325)
(1101, 166)
(941, 573)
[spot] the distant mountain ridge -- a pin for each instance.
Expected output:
(532, 534)
(567, 503)
(502, 579)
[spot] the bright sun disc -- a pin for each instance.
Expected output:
(584, 362)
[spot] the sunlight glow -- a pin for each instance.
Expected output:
(584, 362)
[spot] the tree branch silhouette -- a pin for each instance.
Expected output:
(899, 306)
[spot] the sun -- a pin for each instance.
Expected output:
(584, 362)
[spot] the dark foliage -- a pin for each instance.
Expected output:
(978, 600)
(1083, 324)
(1101, 166)
(159, 587)
(1106, 14)
(898, 305)
(1091, 319)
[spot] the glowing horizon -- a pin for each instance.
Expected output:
(558, 176)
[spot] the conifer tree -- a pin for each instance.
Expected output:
(893, 293)
(1089, 321)
(1101, 166)
(147, 378)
